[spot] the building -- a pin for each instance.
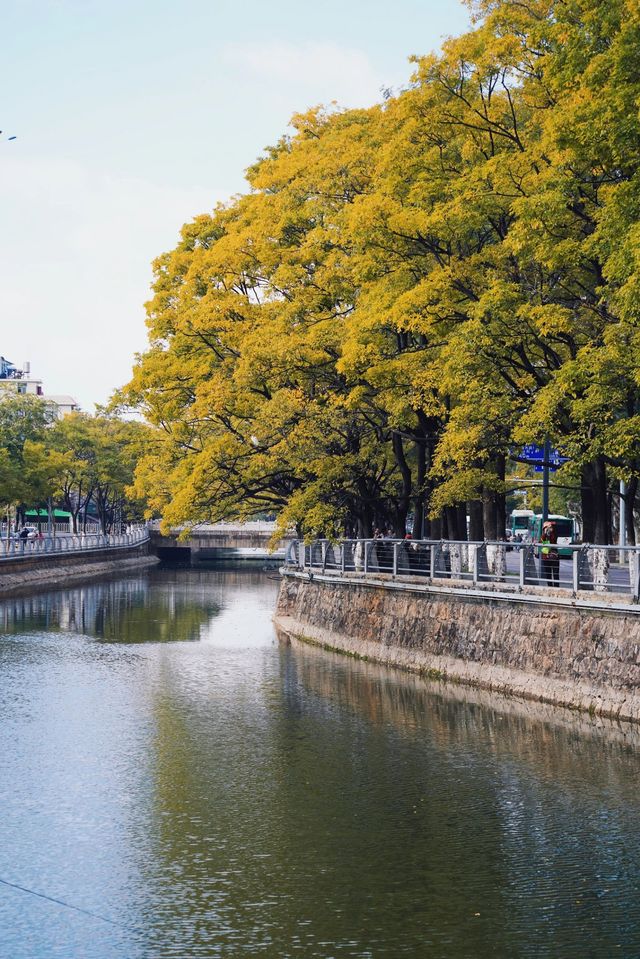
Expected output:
(60, 405)
(20, 381)
(14, 380)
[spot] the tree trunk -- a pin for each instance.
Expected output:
(489, 513)
(587, 506)
(364, 525)
(476, 520)
(596, 523)
(630, 501)
(451, 514)
(463, 532)
(456, 522)
(603, 511)
(404, 500)
(435, 528)
(419, 503)
(500, 500)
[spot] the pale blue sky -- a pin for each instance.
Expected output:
(132, 117)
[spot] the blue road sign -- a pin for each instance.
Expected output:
(535, 454)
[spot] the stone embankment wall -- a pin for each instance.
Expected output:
(38, 572)
(586, 659)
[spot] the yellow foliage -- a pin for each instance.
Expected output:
(407, 292)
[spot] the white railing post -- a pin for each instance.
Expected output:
(395, 559)
(366, 557)
(575, 569)
(522, 566)
(342, 557)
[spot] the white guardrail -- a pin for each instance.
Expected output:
(251, 526)
(72, 543)
(606, 569)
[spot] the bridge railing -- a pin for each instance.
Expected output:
(72, 543)
(605, 569)
(250, 526)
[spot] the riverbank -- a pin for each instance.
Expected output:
(583, 658)
(66, 570)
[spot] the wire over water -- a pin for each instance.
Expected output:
(69, 905)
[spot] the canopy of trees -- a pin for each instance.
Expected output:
(77, 462)
(409, 293)
(23, 420)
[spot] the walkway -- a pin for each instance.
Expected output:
(69, 544)
(609, 575)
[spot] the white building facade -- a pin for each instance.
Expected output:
(20, 381)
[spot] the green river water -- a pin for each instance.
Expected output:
(176, 783)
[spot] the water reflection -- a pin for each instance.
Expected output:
(158, 607)
(407, 700)
(234, 797)
(517, 817)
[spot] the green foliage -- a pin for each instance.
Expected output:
(93, 460)
(23, 422)
(74, 461)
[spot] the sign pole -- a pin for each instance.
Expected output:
(545, 480)
(622, 533)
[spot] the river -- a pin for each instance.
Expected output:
(175, 783)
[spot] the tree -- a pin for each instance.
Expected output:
(84, 460)
(410, 292)
(23, 421)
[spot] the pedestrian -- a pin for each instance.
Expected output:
(410, 550)
(549, 553)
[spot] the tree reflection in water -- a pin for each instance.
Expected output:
(235, 797)
(157, 606)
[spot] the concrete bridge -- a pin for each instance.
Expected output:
(221, 542)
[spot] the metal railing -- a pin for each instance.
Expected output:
(250, 526)
(74, 543)
(603, 569)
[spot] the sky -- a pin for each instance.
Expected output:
(133, 116)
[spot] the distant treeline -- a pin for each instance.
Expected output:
(82, 463)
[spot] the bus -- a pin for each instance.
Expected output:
(565, 528)
(518, 531)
